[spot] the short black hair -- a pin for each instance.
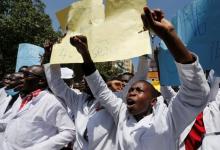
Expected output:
(21, 69)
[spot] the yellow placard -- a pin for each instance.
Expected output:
(111, 36)
(81, 15)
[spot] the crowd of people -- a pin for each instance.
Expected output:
(40, 109)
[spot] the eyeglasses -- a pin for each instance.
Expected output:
(31, 75)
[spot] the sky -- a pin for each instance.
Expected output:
(169, 7)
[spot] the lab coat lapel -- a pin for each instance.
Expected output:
(24, 109)
(30, 103)
(4, 104)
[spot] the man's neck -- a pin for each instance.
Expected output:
(140, 116)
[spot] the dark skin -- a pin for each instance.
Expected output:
(6, 79)
(140, 99)
(16, 81)
(154, 20)
(34, 78)
(140, 105)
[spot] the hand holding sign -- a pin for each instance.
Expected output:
(80, 42)
(155, 21)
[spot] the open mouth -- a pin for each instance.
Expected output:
(130, 102)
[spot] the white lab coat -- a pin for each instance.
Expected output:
(6, 117)
(211, 119)
(4, 101)
(2, 92)
(161, 129)
(89, 114)
(42, 123)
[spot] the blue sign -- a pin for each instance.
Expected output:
(28, 55)
(198, 27)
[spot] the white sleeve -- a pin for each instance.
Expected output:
(214, 97)
(59, 87)
(214, 86)
(168, 93)
(191, 98)
(102, 93)
(141, 74)
(58, 118)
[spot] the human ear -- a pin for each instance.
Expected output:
(153, 102)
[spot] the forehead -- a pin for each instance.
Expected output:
(140, 84)
(17, 76)
(7, 76)
(115, 81)
(34, 69)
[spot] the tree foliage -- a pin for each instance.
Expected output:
(108, 70)
(22, 21)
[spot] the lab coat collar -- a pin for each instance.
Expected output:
(31, 103)
(144, 122)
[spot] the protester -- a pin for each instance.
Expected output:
(125, 77)
(40, 120)
(115, 85)
(4, 82)
(67, 75)
(95, 128)
(143, 123)
(12, 92)
(8, 100)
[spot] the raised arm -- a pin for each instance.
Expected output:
(57, 85)
(155, 21)
(97, 85)
(168, 93)
(193, 94)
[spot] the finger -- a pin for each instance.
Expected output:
(154, 15)
(75, 41)
(159, 14)
(82, 38)
(144, 20)
(78, 40)
(149, 16)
